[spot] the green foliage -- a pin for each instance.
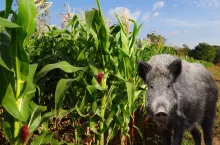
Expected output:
(158, 47)
(204, 52)
(86, 44)
(217, 56)
(185, 51)
(156, 39)
(7, 24)
(191, 59)
(16, 74)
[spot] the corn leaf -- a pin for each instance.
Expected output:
(63, 65)
(61, 90)
(35, 118)
(7, 24)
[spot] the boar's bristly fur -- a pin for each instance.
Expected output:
(180, 96)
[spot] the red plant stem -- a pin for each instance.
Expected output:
(88, 132)
(132, 128)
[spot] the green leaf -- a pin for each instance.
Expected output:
(128, 65)
(134, 37)
(83, 104)
(55, 33)
(61, 90)
(2, 13)
(27, 19)
(5, 78)
(123, 53)
(97, 85)
(114, 61)
(131, 94)
(45, 118)
(104, 38)
(7, 130)
(137, 93)
(10, 104)
(5, 44)
(121, 24)
(28, 93)
(112, 131)
(2, 28)
(89, 15)
(63, 65)
(124, 41)
(20, 60)
(35, 118)
(63, 113)
(80, 113)
(55, 142)
(38, 140)
(8, 4)
(47, 115)
(48, 138)
(94, 105)
(91, 89)
(111, 115)
(118, 75)
(81, 55)
(94, 69)
(72, 21)
(92, 126)
(8, 24)
(140, 133)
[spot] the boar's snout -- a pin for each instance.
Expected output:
(161, 116)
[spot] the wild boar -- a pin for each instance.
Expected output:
(180, 96)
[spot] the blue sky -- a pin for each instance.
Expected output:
(179, 21)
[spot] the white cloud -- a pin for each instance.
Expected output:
(123, 10)
(135, 15)
(175, 5)
(146, 16)
(203, 3)
(195, 23)
(185, 31)
(158, 4)
(156, 14)
(177, 22)
(175, 32)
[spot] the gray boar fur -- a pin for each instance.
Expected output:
(180, 96)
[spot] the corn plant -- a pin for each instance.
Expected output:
(90, 69)
(107, 88)
(21, 116)
(17, 75)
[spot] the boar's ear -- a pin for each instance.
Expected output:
(175, 68)
(143, 69)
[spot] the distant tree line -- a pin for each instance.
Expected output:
(203, 51)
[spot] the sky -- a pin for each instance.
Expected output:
(179, 21)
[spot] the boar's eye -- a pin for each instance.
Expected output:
(151, 87)
(168, 86)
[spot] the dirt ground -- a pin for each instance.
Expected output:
(216, 136)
